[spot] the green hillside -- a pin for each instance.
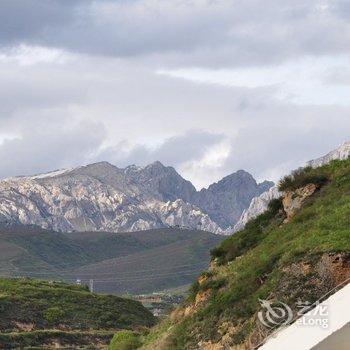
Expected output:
(271, 259)
(37, 313)
(135, 262)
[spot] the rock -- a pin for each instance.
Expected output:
(257, 206)
(293, 200)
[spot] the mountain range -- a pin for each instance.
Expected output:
(103, 197)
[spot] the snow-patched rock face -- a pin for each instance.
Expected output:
(342, 152)
(182, 214)
(257, 206)
(103, 197)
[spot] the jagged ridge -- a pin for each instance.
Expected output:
(102, 196)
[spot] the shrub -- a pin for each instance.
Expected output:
(217, 252)
(275, 205)
(214, 284)
(194, 289)
(53, 315)
(125, 340)
(301, 177)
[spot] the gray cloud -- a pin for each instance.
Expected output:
(175, 150)
(216, 33)
(51, 147)
(32, 20)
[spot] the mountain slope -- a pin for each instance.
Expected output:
(136, 262)
(298, 250)
(102, 197)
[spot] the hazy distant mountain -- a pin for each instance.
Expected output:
(225, 200)
(102, 196)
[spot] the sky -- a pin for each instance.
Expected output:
(206, 86)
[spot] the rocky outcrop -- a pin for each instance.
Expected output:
(293, 200)
(342, 152)
(257, 206)
(182, 214)
(101, 196)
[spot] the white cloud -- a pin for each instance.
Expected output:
(301, 81)
(26, 55)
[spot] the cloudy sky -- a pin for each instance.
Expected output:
(207, 86)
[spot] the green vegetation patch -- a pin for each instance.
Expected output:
(125, 340)
(254, 232)
(50, 338)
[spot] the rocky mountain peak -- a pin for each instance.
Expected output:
(265, 185)
(164, 181)
(225, 200)
(157, 165)
(97, 168)
(235, 179)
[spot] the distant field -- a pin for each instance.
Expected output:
(137, 262)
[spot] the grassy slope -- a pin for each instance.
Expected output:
(63, 311)
(252, 264)
(40, 253)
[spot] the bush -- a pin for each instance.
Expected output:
(125, 340)
(53, 315)
(194, 289)
(301, 177)
(217, 252)
(275, 205)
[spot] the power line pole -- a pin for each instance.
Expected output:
(91, 285)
